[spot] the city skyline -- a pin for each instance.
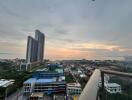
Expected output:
(74, 29)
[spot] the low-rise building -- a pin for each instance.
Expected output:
(112, 88)
(48, 81)
(5, 83)
(36, 96)
(48, 86)
(83, 76)
(73, 89)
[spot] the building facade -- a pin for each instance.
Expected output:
(46, 81)
(74, 89)
(113, 88)
(32, 46)
(35, 48)
(40, 37)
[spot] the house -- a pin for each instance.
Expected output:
(112, 88)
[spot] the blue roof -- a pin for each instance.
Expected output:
(45, 80)
(30, 80)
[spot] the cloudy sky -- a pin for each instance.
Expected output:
(74, 29)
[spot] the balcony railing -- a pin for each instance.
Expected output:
(91, 89)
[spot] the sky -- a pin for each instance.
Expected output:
(74, 29)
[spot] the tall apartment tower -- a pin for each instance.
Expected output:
(32, 48)
(40, 37)
(35, 48)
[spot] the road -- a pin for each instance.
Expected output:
(75, 79)
(17, 95)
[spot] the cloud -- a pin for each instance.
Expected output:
(125, 49)
(11, 12)
(93, 46)
(102, 28)
(5, 53)
(63, 53)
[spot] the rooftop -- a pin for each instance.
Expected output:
(5, 83)
(112, 85)
(30, 80)
(37, 94)
(45, 80)
(51, 70)
(74, 85)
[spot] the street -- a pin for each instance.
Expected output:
(17, 95)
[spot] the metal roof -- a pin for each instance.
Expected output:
(5, 83)
(30, 80)
(112, 85)
(45, 80)
(35, 80)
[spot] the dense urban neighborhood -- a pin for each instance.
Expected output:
(72, 75)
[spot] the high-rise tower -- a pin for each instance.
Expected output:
(32, 48)
(40, 37)
(35, 48)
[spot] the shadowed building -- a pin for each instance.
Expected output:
(41, 41)
(32, 48)
(35, 48)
